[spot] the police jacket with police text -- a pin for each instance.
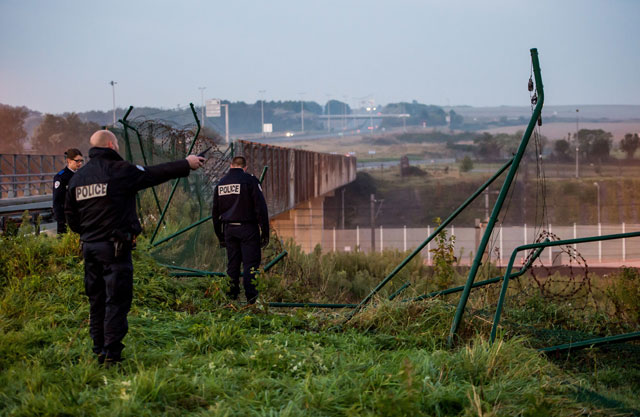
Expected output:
(238, 198)
(101, 196)
(60, 183)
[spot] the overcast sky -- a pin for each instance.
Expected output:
(58, 56)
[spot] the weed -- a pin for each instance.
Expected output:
(625, 294)
(443, 258)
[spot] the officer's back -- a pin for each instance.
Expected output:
(102, 199)
(239, 198)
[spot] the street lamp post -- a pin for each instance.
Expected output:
(598, 199)
(202, 102)
(329, 112)
(344, 119)
(371, 109)
(113, 89)
(302, 111)
(262, 110)
(599, 224)
(577, 143)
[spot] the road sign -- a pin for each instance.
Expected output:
(267, 128)
(213, 107)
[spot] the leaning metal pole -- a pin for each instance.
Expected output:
(417, 250)
(126, 125)
(501, 197)
(621, 338)
(175, 184)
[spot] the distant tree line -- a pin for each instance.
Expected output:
(419, 115)
(55, 133)
(594, 145)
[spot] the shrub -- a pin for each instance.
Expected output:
(466, 164)
(443, 258)
(625, 294)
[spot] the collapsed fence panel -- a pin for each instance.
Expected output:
(546, 244)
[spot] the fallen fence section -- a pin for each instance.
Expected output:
(505, 282)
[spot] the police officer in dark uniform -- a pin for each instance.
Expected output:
(101, 207)
(60, 182)
(241, 223)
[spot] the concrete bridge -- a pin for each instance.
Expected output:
(295, 185)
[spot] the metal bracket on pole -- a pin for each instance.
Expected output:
(499, 202)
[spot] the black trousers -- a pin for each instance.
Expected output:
(108, 282)
(62, 227)
(243, 246)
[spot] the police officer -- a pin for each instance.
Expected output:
(241, 223)
(101, 207)
(60, 182)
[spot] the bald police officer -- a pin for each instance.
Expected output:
(101, 207)
(241, 223)
(60, 183)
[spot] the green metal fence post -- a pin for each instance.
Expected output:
(501, 197)
(626, 337)
(181, 231)
(128, 153)
(126, 125)
(503, 293)
(192, 272)
(127, 142)
(399, 291)
(175, 184)
(275, 260)
(316, 305)
(264, 172)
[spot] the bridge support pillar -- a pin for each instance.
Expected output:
(304, 224)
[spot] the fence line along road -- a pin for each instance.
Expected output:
(503, 241)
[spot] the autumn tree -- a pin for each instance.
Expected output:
(55, 134)
(629, 144)
(561, 149)
(12, 132)
(487, 146)
(595, 145)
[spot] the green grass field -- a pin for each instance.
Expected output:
(190, 352)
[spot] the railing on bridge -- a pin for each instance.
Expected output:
(27, 175)
(295, 175)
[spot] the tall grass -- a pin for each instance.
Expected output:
(190, 352)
